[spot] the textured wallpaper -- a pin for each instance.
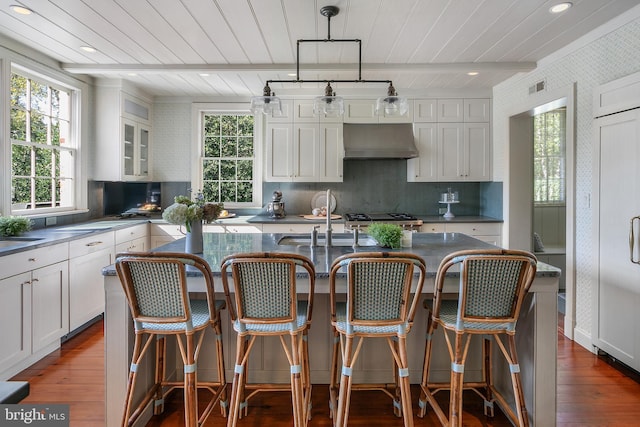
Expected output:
(608, 58)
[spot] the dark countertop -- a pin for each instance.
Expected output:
(432, 247)
(52, 235)
(297, 219)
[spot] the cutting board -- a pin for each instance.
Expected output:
(320, 218)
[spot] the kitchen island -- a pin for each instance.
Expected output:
(536, 332)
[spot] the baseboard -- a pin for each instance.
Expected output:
(584, 339)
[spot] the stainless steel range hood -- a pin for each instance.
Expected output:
(379, 141)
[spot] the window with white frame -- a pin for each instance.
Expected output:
(549, 130)
(229, 165)
(43, 152)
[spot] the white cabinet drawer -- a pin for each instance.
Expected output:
(131, 233)
(135, 245)
(90, 244)
(476, 229)
(432, 228)
(30, 260)
(166, 230)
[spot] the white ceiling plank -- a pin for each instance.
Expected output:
(210, 18)
(186, 27)
(78, 19)
(29, 34)
(243, 23)
(274, 30)
(161, 31)
(134, 30)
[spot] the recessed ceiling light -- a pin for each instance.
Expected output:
(132, 74)
(560, 7)
(472, 73)
(22, 10)
(204, 74)
(292, 74)
(88, 49)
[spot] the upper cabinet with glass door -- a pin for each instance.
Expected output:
(123, 123)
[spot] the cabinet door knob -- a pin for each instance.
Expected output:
(32, 260)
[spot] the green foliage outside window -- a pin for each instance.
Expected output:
(42, 158)
(549, 157)
(228, 162)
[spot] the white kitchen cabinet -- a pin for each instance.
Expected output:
(304, 152)
(50, 304)
(490, 232)
(450, 110)
(161, 234)
(364, 111)
(425, 110)
(464, 152)
(87, 257)
(132, 239)
(123, 135)
(477, 110)
(15, 318)
(303, 113)
(424, 168)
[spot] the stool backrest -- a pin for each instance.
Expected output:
(492, 284)
(265, 286)
(156, 287)
(379, 287)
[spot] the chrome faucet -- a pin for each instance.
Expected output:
(327, 239)
(314, 236)
(356, 232)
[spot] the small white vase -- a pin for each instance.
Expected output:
(193, 242)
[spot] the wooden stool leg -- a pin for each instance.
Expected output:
(190, 391)
(523, 416)
(457, 378)
(238, 381)
(306, 377)
(297, 398)
(344, 397)
(405, 386)
(221, 369)
(131, 382)
(158, 406)
(395, 368)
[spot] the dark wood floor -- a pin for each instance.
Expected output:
(590, 393)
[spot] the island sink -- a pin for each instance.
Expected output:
(337, 240)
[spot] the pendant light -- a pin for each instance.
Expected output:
(330, 105)
(268, 103)
(392, 104)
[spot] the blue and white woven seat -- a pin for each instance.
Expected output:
(155, 286)
(492, 286)
(378, 305)
(265, 303)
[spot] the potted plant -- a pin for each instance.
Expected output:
(387, 235)
(14, 225)
(191, 214)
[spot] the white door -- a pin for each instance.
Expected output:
(618, 294)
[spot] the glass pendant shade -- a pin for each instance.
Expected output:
(328, 106)
(266, 105)
(392, 106)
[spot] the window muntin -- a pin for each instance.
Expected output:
(549, 157)
(229, 158)
(43, 155)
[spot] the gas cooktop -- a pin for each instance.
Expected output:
(379, 217)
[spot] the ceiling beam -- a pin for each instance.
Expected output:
(461, 67)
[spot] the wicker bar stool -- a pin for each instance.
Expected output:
(379, 305)
(266, 303)
(493, 284)
(155, 286)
